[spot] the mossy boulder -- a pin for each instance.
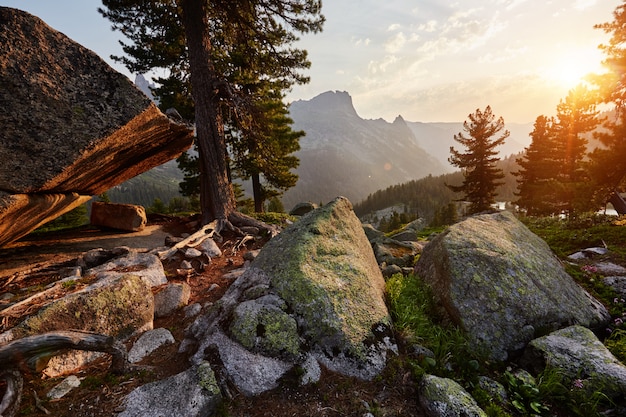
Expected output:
(577, 354)
(502, 284)
(443, 397)
(314, 291)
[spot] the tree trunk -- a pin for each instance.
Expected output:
(257, 193)
(217, 199)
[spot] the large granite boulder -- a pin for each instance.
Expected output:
(71, 123)
(443, 397)
(502, 284)
(579, 356)
(313, 294)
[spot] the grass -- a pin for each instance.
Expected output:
(418, 321)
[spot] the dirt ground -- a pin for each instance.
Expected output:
(33, 260)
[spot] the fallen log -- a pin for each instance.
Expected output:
(35, 352)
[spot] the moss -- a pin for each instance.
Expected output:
(207, 380)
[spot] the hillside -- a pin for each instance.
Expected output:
(343, 154)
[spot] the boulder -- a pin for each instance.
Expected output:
(578, 355)
(443, 397)
(146, 266)
(127, 217)
(314, 291)
(148, 343)
(22, 213)
(75, 125)
(503, 285)
(120, 307)
(301, 209)
(192, 393)
(171, 298)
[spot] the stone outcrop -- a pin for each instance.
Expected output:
(502, 284)
(313, 294)
(127, 217)
(578, 355)
(192, 393)
(72, 125)
(443, 397)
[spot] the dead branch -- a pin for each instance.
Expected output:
(195, 239)
(13, 392)
(32, 350)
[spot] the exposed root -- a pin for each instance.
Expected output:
(13, 392)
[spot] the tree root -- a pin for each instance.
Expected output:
(35, 351)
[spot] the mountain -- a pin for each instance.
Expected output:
(343, 154)
(437, 138)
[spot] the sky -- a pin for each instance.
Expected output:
(426, 60)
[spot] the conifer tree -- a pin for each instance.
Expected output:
(608, 167)
(537, 184)
(576, 116)
(478, 164)
(223, 49)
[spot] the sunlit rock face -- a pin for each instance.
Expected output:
(70, 123)
(502, 284)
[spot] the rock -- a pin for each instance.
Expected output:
(192, 393)
(251, 255)
(63, 388)
(22, 213)
(609, 268)
(251, 373)
(588, 253)
(496, 390)
(210, 248)
(391, 270)
(618, 284)
(392, 252)
(146, 266)
(442, 397)
(148, 343)
(192, 253)
(234, 274)
(301, 209)
(502, 284)
(99, 256)
(127, 217)
(120, 307)
(315, 290)
(76, 126)
(171, 298)
(193, 310)
(578, 355)
(372, 233)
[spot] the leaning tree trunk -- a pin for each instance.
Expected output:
(257, 193)
(216, 195)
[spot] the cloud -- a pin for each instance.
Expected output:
(584, 4)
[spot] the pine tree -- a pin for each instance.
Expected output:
(576, 116)
(537, 178)
(479, 162)
(608, 167)
(202, 41)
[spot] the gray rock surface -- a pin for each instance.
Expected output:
(75, 125)
(502, 284)
(148, 343)
(317, 281)
(210, 248)
(192, 393)
(171, 298)
(578, 354)
(146, 266)
(442, 397)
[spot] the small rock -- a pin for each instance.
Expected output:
(64, 387)
(194, 309)
(234, 274)
(608, 268)
(148, 343)
(251, 255)
(6, 296)
(186, 265)
(172, 297)
(301, 209)
(192, 253)
(391, 270)
(210, 248)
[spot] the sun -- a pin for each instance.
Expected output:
(569, 67)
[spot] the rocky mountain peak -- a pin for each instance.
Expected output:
(330, 102)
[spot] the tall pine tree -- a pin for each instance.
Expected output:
(201, 42)
(478, 164)
(537, 179)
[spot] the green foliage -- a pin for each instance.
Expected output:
(275, 205)
(478, 164)
(281, 219)
(616, 343)
(416, 317)
(525, 396)
(74, 218)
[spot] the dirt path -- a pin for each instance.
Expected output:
(33, 252)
